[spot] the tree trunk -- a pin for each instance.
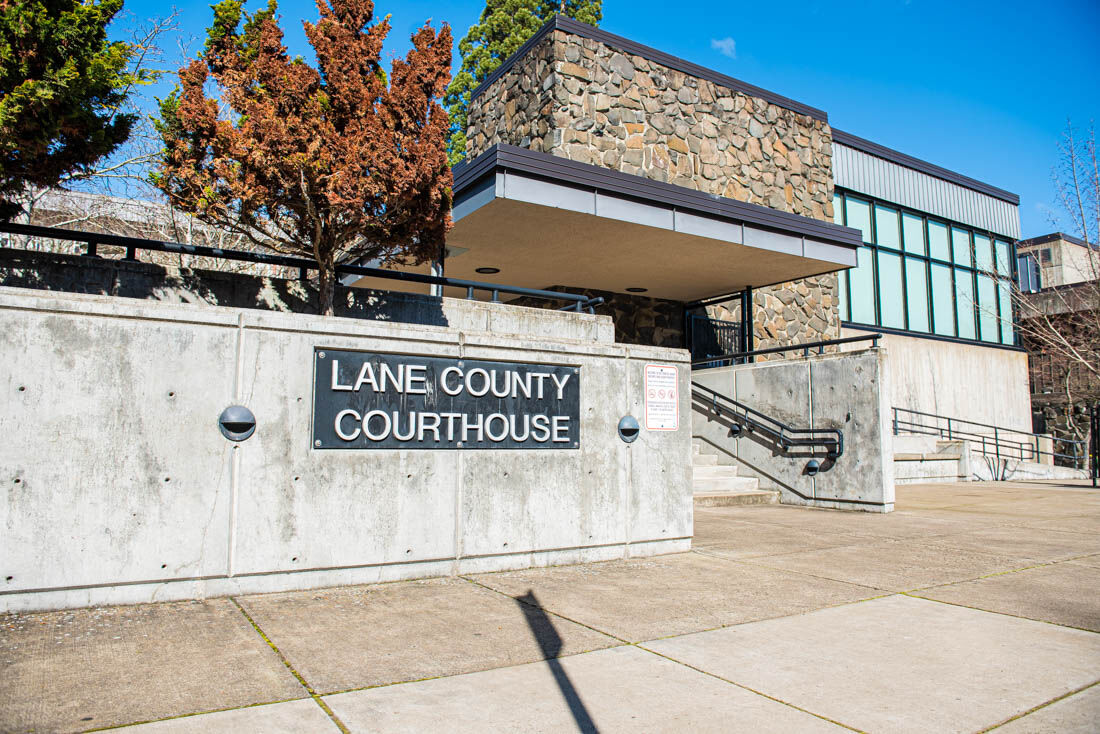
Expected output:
(327, 277)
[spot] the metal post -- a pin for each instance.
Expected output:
(91, 250)
(746, 323)
(1094, 442)
(997, 446)
(470, 293)
(948, 429)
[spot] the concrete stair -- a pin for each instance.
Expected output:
(718, 485)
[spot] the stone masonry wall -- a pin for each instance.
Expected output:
(580, 99)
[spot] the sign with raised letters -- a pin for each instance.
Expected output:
(372, 400)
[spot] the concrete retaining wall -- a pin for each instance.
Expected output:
(845, 391)
(939, 377)
(119, 487)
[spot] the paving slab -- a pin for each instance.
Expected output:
(1060, 593)
(750, 540)
(1076, 714)
(103, 666)
(899, 664)
(871, 524)
(358, 636)
(1039, 544)
(1092, 561)
(1080, 524)
(643, 599)
(291, 717)
(621, 689)
(894, 565)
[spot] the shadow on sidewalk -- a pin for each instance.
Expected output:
(550, 642)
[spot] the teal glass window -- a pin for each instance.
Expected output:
(891, 296)
(983, 253)
(960, 247)
(988, 320)
(938, 246)
(859, 217)
(943, 300)
(886, 227)
(1004, 258)
(1004, 295)
(861, 280)
(964, 304)
(916, 293)
(838, 209)
(912, 229)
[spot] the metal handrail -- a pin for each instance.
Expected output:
(1003, 443)
(133, 244)
(804, 348)
(831, 440)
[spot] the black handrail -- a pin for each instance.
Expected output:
(1000, 443)
(133, 244)
(831, 440)
(804, 348)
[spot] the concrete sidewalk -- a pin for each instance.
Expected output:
(973, 606)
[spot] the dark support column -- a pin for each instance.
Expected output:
(746, 321)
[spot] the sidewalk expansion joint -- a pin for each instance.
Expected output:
(302, 681)
(193, 714)
(1033, 709)
(914, 595)
(641, 646)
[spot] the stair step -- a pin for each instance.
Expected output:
(733, 499)
(714, 470)
(725, 484)
(704, 460)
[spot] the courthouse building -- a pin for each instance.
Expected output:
(598, 165)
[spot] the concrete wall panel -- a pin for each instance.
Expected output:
(120, 395)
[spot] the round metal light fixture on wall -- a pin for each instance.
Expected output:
(636, 290)
(629, 429)
(487, 271)
(237, 423)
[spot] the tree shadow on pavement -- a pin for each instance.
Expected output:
(551, 643)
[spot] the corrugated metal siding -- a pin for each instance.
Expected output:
(867, 174)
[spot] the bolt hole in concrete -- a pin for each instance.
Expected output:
(294, 559)
(18, 480)
(171, 394)
(168, 479)
(295, 478)
(164, 565)
(22, 388)
(9, 578)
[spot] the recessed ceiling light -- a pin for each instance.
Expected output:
(636, 290)
(487, 271)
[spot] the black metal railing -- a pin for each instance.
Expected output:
(712, 337)
(996, 441)
(133, 245)
(806, 349)
(830, 441)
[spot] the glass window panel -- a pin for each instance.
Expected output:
(861, 280)
(937, 241)
(912, 228)
(943, 300)
(838, 209)
(859, 217)
(1004, 293)
(987, 309)
(842, 295)
(886, 227)
(916, 293)
(891, 302)
(983, 253)
(964, 303)
(960, 246)
(1004, 258)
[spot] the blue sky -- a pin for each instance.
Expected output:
(984, 89)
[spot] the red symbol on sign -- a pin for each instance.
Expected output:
(652, 393)
(660, 393)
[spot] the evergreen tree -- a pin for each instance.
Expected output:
(62, 86)
(505, 25)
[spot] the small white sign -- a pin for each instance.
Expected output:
(662, 398)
